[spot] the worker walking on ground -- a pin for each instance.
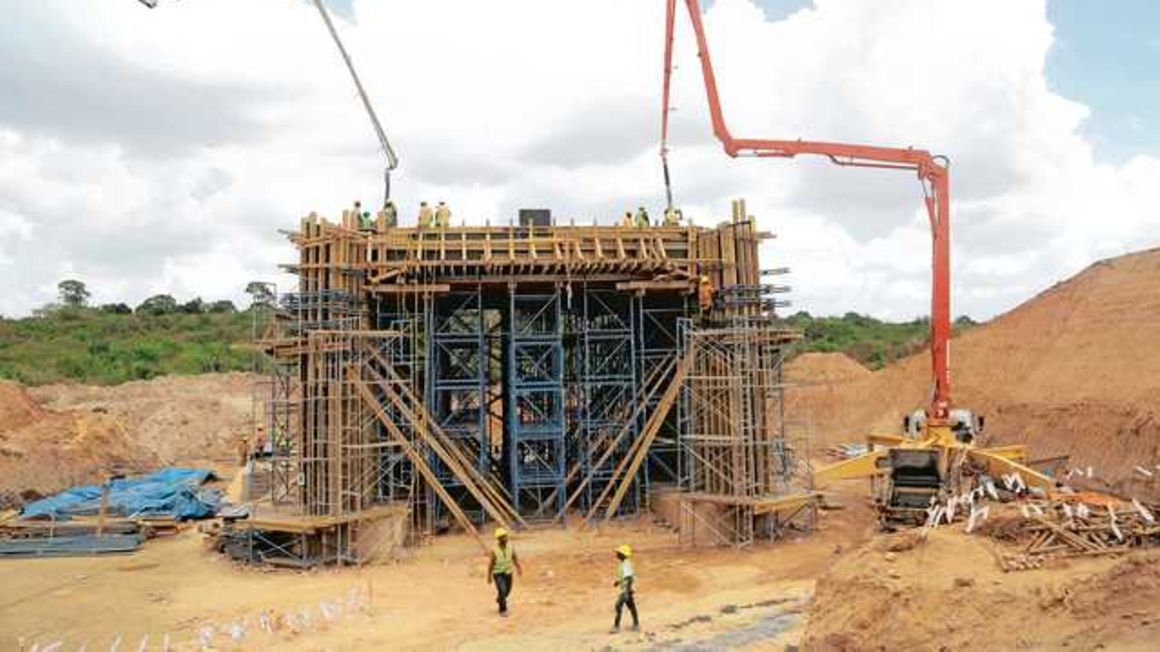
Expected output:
(442, 216)
(625, 580)
(499, 569)
(641, 217)
(426, 216)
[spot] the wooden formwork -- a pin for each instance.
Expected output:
(357, 411)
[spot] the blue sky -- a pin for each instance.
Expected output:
(1107, 55)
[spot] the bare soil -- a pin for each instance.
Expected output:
(1073, 372)
(56, 436)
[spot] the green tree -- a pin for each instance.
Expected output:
(223, 306)
(159, 304)
(261, 294)
(73, 293)
(116, 308)
(193, 307)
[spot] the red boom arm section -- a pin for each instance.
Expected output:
(932, 172)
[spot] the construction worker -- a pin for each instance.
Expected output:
(641, 216)
(426, 216)
(365, 223)
(390, 214)
(672, 216)
(355, 214)
(705, 294)
(442, 216)
(627, 219)
(625, 581)
(499, 569)
(243, 450)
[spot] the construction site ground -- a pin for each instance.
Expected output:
(845, 587)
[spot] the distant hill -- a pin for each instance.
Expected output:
(96, 346)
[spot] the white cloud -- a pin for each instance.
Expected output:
(494, 106)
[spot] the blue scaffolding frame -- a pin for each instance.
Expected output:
(534, 408)
(457, 379)
(606, 382)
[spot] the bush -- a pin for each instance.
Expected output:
(109, 346)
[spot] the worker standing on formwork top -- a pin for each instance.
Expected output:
(442, 216)
(641, 217)
(426, 216)
(672, 216)
(627, 219)
(389, 216)
(499, 569)
(625, 580)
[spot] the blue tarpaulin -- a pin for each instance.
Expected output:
(170, 492)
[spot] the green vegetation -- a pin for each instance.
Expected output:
(112, 344)
(870, 341)
(94, 346)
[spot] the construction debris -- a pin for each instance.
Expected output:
(1065, 528)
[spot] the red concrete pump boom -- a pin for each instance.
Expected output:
(932, 170)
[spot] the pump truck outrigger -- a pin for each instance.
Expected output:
(936, 454)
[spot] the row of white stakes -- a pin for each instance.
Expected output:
(236, 631)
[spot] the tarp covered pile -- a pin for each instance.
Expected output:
(168, 493)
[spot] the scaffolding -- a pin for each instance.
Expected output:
(741, 474)
(463, 375)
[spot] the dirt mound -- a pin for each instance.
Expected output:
(177, 418)
(948, 593)
(1072, 371)
(55, 436)
(824, 368)
(17, 408)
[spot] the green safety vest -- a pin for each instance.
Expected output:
(623, 570)
(504, 560)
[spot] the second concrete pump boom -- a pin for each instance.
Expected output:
(932, 170)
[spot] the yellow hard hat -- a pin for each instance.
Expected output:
(500, 532)
(625, 550)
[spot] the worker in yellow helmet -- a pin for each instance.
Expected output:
(642, 217)
(499, 569)
(705, 294)
(625, 580)
(426, 216)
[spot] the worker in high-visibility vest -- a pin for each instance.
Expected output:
(390, 214)
(426, 216)
(442, 216)
(499, 569)
(626, 582)
(705, 294)
(641, 216)
(672, 216)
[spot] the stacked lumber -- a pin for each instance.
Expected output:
(1054, 529)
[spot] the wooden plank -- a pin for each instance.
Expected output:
(409, 288)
